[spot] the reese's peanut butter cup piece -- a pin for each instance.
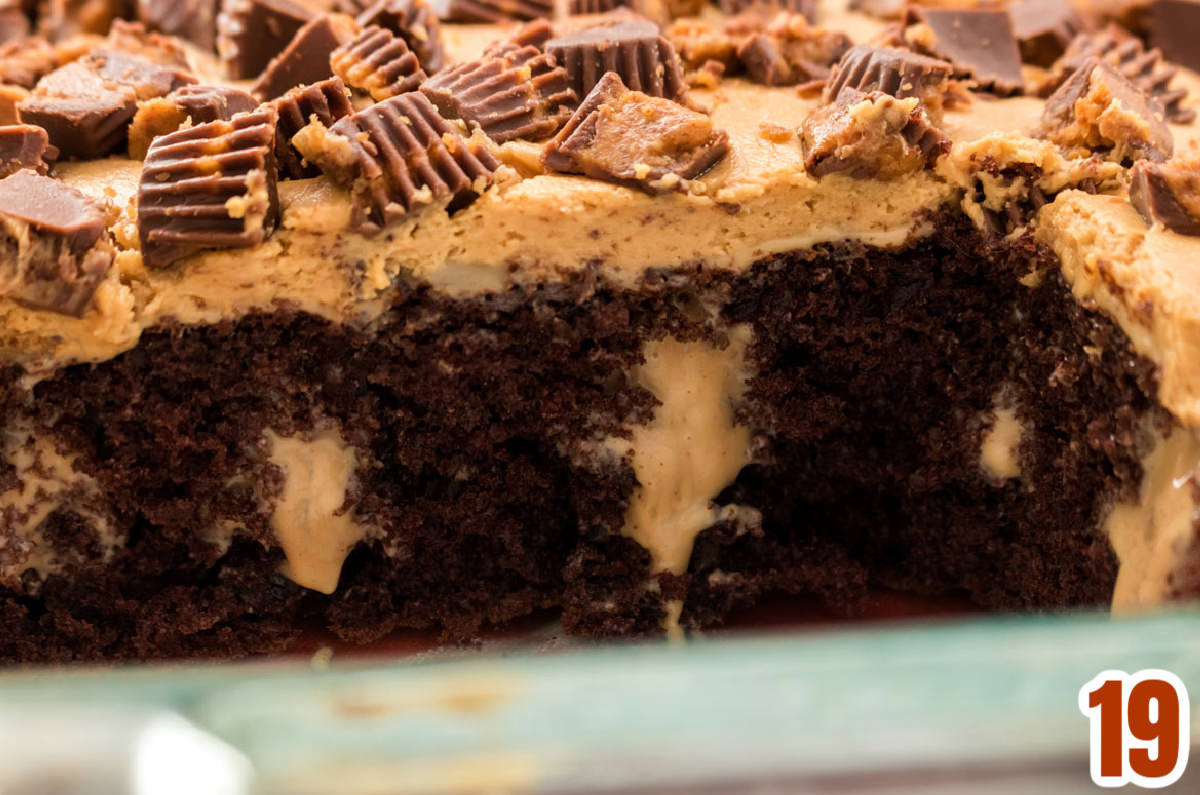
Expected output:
(398, 156)
(25, 61)
(1168, 194)
(1044, 28)
(14, 23)
(184, 106)
(1101, 111)
(632, 48)
(499, 10)
(61, 19)
(86, 105)
(650, 143)
(1144, 68)
(523, 94)
(791, 51)
(210, 186)
(979, 43)
(134, 38)
(1175, 29)
(252, 32)
(534, 33)
(378, 62)
(190, 20)
(325, 101)
(870, 136)
(24, 146)
(416, 22)
(805, 8)
(56, 245)
(307, 58)
(894, 71)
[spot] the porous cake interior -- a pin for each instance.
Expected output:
(942, 418)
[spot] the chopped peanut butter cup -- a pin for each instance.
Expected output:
(631, 48)
(791, 51)
(1144, 68)
(191, 20)
(416, 22)
(23, 62)
(61, 19)
(252, 32)
(532, 34)
(184, 106)
(1175, 29)
(979, 43)
(1101, 111)
(521, 94)
(378, 62)
(55, 244)
(86, 106)
(870, 136)
(1168, 194)
(398, 156)
(628, 137)
(499, 10)
(325, 101)
(210, 186)
(24, 146)
(307, 58)
(806, 8)
(894, 71)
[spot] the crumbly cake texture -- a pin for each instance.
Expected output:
(635, 319)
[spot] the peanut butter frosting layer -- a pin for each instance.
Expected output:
(532, 225)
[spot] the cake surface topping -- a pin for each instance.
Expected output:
(1168, 194)
(979, 43)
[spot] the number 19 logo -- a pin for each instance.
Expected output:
(1140, 728)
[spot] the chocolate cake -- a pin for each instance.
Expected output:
(365, 321)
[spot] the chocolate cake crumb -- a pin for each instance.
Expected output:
(55, 243)
(1168, 194)
(208, 187)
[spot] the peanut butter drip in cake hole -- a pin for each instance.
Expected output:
(1153, 535)
(689, 452)
(312, 518)
(1000, 451)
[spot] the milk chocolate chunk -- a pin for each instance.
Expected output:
(86, 105)
(185, 106)
(25, 61)
(1044, 28)
(870, 136)
(979, 43)
(190, 20)
(631, 138)
(1099, 110)
(1168, 194)
(901, 73)
(378, 62)
(522, 94)
(134, 38)
(791, 51)
(500, 10)
(211, 186)
(307, 58)
(252, 32)
(1175, 29)
(398, 156)
(534, 33)
(55, 244)
(24, 146)
(326, 101)
(416, 22)
(631, 48)
(1145, 68)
